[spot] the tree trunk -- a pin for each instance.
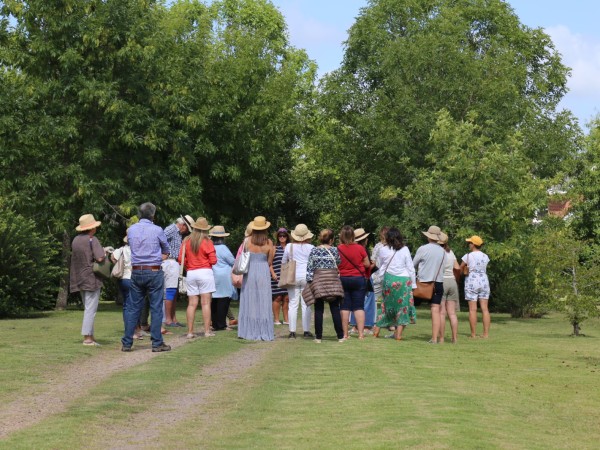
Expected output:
(63, 291)
(576, 329)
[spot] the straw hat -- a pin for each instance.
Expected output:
(433, 232)
(218, 231)
(301, 233)
(443, 238)
(260, 223)
(87, 222)
(360, 234)
(188, 221)
(201, 224)
(248, 230)
(476, 240)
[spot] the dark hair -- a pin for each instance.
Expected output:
(347, 235)
(383, 231)
(147, 211)
(326, 236)
(394, 239)
(218, 240)
(282, 233)
(259, 237)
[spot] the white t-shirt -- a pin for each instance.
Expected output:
(477, 262)
(400, 264)
(300, 253)
(170, 269)
(126, 250)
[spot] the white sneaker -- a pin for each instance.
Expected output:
(276, 323)
(317, 341)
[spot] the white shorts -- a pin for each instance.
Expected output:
(200, 281)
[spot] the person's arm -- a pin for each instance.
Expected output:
(286, 254)
(270, 257)
(228, 258)
(98, 253)
(164, 245)
(310, 266)
(408, 262)
(417, 259)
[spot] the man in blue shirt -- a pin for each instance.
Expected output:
(149, 247)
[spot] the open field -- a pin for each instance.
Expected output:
(529, 386)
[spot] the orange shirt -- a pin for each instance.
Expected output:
(204, 259)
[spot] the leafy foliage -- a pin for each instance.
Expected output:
(28, 274)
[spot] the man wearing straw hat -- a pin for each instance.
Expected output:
(428, 262)
(175, 234)
(149, 247)
(86, 249)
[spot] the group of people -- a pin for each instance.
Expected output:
(345, 276)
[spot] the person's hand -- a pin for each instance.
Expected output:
(108, 250)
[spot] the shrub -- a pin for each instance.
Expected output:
(28, 270)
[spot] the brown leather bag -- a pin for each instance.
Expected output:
(424, 290)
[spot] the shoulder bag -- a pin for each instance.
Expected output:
(101, 269)
(287, 276)
(425, 289)
(181, 284)
(119, 268)
(242, 261)
(465, 270)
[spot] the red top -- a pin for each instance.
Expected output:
(356, 253)
(204, 259)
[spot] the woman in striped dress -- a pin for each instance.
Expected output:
(281, 298)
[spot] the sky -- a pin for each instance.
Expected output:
(320, 27)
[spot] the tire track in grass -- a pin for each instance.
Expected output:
(62, 389)
(143, 429)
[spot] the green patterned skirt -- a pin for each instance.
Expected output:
(397, 307)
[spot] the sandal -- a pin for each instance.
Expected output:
(165, 332)
(91, 344)
(190, 336)
(211, 334)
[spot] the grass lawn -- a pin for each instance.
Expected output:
(530, 385)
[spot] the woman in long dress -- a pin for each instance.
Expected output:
(398, 281)
(255, 321)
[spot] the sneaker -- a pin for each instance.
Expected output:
(292, 335)
(276, 323)
(285, 323)
(124, 348)
(353, 331)
(390, 336)
(367, 332)
(342, 340)
(317, 341)
(190, 336)
(431, 341)
(308, 334)
(162, 348)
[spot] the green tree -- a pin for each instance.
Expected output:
(405, 61)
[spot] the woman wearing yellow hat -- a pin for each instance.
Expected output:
(477, 285)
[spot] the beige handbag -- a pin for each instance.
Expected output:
(287, 276)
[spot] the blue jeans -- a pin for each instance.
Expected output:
(125, 288)
(354, 293)
(145, 282)
(369, 311)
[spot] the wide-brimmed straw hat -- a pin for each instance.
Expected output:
(433, 232)
(360, 234)
(476, 240)
(218, 231)
(443, 238)
(201, 224)
(301, 233)
(87, 222)
(260, 223)
(248, 230)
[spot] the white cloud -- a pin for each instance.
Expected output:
(582, 54)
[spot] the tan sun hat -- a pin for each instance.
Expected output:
(87, 222)
(476, 240)
(443, 238)
(248, 230)
(301, 233)
(433, 232)
(201, 224)
(260, 223)
(360, 234)
(218, 231)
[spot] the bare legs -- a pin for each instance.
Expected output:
(280, 302)
(483, 304)
(359, 316)
(435, 322)
(448, 308)
(205, 300)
